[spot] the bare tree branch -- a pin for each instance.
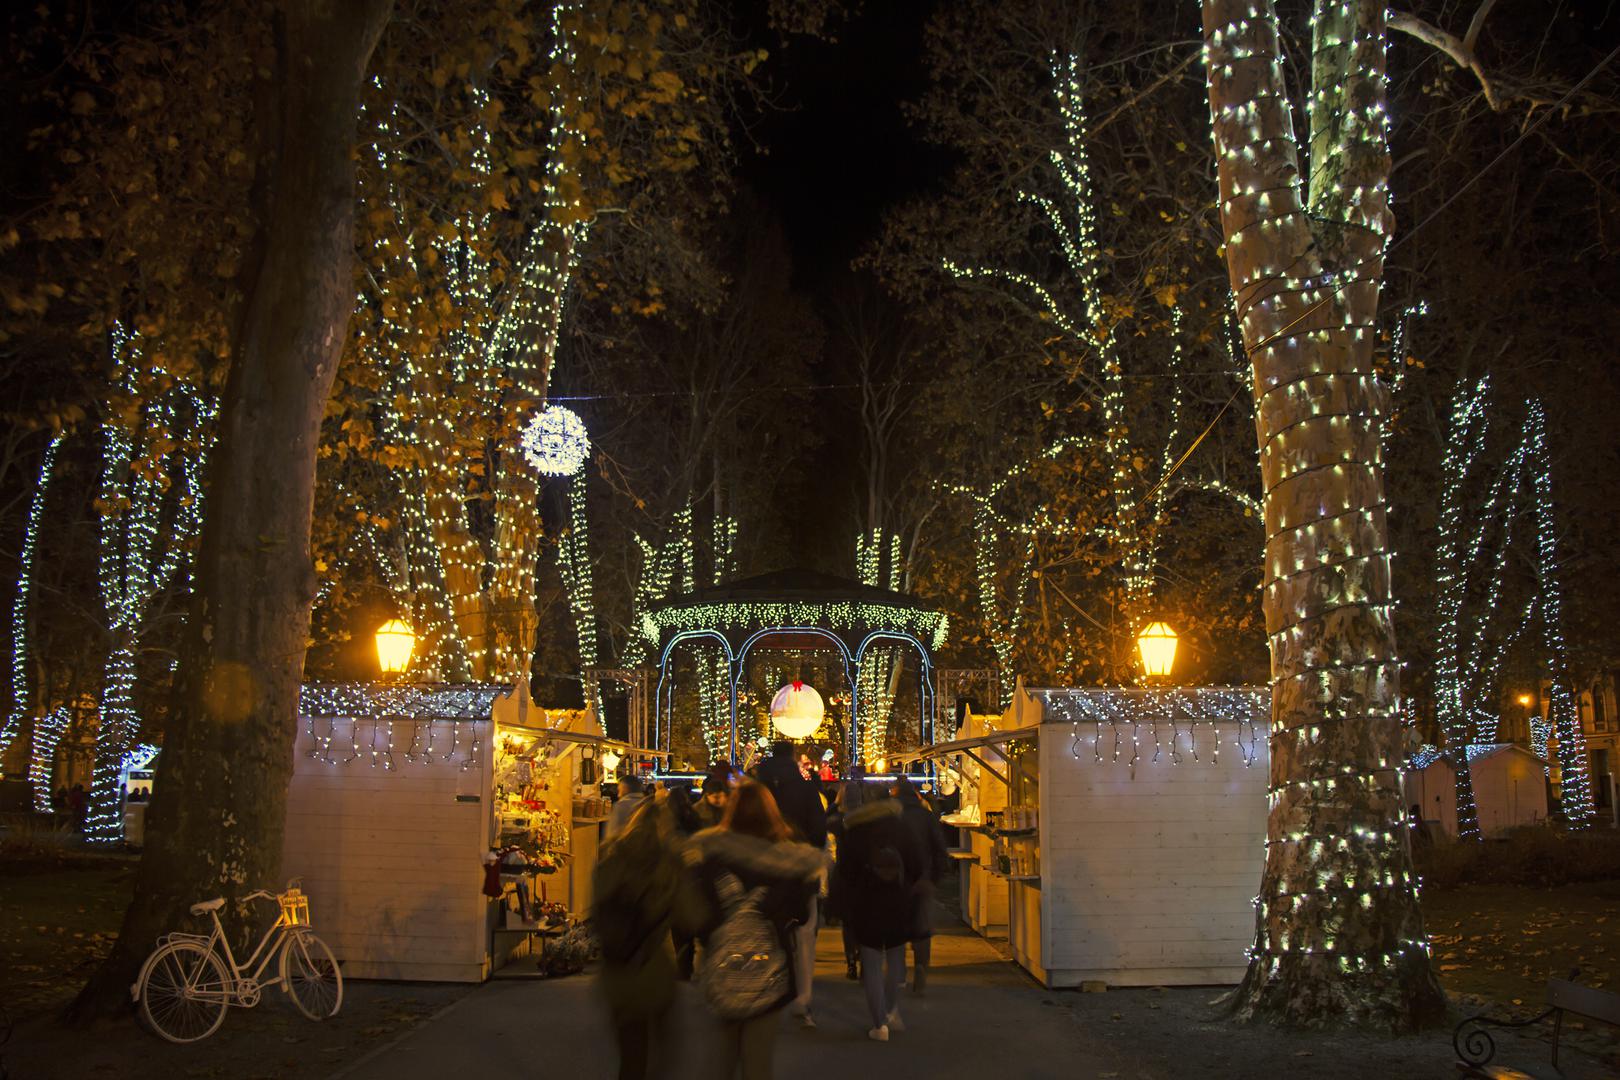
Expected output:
(1460, 50)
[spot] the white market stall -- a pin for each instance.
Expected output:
(399, 796)
(1508, 780)
(1116, 835)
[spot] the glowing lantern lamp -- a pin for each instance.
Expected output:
(796, 710)
(1526, 700)
(610, 764)
(1157, 644)
(395, 642)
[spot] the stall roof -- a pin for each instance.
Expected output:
(956, 746)
(563, 735)
(425, 701)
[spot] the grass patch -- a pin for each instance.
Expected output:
(1539, 857)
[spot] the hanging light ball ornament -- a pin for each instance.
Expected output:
(796, 710)
(555, 442)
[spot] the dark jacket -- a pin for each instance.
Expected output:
(880, 862)
(798, 799)
(706, 814)
(920, 822)
(789, 870)
(640, 888)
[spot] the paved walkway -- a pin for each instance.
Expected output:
(975, 999)
(983, 1017)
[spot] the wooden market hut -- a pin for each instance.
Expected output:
(1115, 835)
(1509, 782)
(397, 796)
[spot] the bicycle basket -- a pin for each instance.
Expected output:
(294, 907)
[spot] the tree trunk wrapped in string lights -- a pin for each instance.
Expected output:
(1339, 933)
(218, 808)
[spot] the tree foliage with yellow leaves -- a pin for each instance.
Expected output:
(544, 162)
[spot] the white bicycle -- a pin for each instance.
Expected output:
(190, 980)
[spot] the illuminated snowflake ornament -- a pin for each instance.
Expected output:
(555, 442)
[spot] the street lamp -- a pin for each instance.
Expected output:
(1526, 700)
(395, 642)
(1157, 644)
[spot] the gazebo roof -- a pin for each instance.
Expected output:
(791, 599)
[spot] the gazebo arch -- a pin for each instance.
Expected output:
(740, 614)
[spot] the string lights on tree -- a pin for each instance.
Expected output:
(473, 584)
(138, 559)
(1575, 801)
(1338, 928)
(20, 600)
(1132, 530)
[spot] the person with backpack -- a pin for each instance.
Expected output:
(757, 882)
(799, 799)
(638, 890)
(879, 862)
(924, 828)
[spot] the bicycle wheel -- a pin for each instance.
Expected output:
(310, 976)
(184, 992)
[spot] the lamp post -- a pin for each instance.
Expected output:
(1527, 702)
(395, 643)
(1157, 644)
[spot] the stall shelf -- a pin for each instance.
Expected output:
(1132, 824)
(393, 805)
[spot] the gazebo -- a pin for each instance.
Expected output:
(794, 608)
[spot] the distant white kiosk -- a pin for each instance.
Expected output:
(1509, 782)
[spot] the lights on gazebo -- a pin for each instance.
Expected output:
(555, 442)
(395, 643)
(1157, 644)
(797, 710)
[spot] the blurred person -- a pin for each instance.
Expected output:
(685, 818)
(756, 882)
(638, 891)
(852, 795)
(78, 803)
(799, 800)
(630, 796)
(879, 861)
(711, 804)
(921, 823)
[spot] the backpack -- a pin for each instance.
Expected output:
(745, 967)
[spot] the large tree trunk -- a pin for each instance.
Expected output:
(216, 818)
(1339, 933)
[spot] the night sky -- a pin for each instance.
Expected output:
(835, 154)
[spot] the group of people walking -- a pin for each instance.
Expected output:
(727, 891)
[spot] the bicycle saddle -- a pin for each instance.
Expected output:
(208, 905)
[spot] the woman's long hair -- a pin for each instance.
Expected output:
(752, 811)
